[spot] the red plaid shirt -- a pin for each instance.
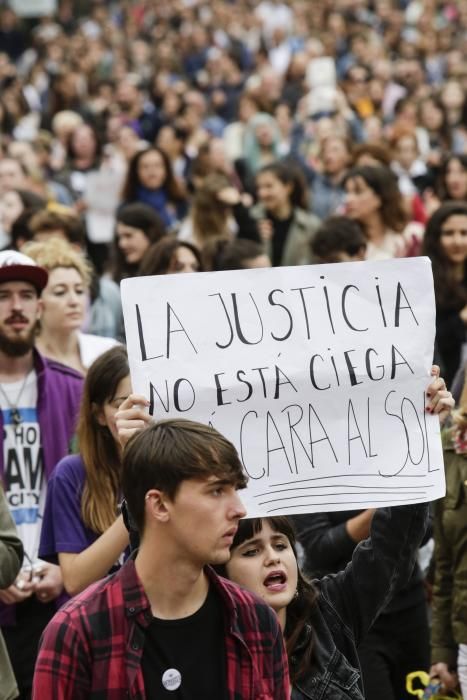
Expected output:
(93, 647)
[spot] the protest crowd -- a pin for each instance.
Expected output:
(141, 138)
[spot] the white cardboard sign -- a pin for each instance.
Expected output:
(317, 374)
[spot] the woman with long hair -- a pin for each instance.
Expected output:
(65, 301)
(284, 225)
(214, 213)
(138, 226)
(150, 180)
(452, 180)
(445, 243)
(374, 200)
(81, 529)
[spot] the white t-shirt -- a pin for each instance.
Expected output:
(25, 483)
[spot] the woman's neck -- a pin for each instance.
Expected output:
(459, 272)
(83, 162)
(62, 347)
(282, 211)
(374, 228)
(282, 617)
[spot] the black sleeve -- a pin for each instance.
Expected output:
(380, 566)
(327, 545)
(247, 226)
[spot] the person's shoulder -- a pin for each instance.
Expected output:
(55, 368)
(70, 468)
(94, 603)
(306, 218)
(250, 609)
(97, 342)
(108, 289)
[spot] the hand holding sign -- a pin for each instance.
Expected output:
(131, 417)
(440, 400)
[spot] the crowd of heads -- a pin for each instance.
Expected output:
(182, 104)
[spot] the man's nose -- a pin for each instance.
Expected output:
(17, 301)
(238, 508)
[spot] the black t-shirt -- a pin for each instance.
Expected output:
(281, 231)
(185, 659)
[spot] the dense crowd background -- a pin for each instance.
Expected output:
(240, 120)
(144, 137)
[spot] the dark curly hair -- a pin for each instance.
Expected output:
(383, 182)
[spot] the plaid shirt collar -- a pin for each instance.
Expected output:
(137, 604)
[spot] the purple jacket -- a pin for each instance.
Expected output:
(59, 390)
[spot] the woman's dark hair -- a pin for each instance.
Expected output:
(444, 132)
(132, 182)
(96, 444)
(289, 174)
(337, 234)
(297, 628)
(384, 184)
(157, 260)
(378, 151)
(441, 189)
(143, 217)
(225, 254)
(449, 292)
(70, 148)
(21, 231)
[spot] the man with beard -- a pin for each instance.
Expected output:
(39, 401)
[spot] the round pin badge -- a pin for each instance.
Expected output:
(171, 679)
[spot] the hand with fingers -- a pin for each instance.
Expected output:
(439, 400)
(447, 677)
(48, 581)
(131, 417)
(20, 590)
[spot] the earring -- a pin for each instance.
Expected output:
(296, 594)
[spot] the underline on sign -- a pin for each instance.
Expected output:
(352, 476)
(344, 493)
(340, 486)
(339, 503)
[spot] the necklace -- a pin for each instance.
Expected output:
(14, 410)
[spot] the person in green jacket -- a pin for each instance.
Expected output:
(449, 629)
(11, 558)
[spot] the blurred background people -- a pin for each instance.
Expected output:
(445, 243)
(63, 306)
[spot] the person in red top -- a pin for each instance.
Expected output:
(165, 625)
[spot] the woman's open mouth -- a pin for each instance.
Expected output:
(276, 581)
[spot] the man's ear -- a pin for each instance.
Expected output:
(156, 506)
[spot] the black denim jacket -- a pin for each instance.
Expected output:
(350, 601)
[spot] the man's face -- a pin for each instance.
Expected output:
(11, 175)
(203, 519)
(19, 313)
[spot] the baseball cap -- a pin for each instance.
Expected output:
(16, 267)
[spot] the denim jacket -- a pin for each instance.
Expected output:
(350, 601)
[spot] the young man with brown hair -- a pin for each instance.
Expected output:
(165, 625)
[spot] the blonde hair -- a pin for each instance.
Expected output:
(58, 253)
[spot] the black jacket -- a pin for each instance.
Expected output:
(350, 601)
(328, 548)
